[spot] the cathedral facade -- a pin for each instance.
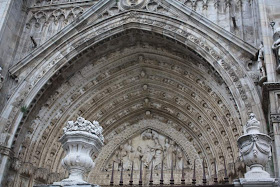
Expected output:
(171, 82)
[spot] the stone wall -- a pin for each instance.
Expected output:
(12, 17)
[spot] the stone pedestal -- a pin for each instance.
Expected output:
(269, 182)
(80, 140)
(255, 151)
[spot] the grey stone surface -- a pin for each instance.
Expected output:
(188, 66)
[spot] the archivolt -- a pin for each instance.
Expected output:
(66, 54)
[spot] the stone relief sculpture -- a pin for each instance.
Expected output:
(148, 147)
(261, 65)
(1, 78)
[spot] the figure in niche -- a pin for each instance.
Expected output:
(261, 64)
(170, 152)
(276, 49)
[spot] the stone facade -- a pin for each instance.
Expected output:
(150, 71)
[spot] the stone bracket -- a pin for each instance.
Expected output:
(275, 118)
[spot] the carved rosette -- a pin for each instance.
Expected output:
(79, 142)
(255, 149)
(132, 4)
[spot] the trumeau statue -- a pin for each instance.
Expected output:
(84, 125)
(148, 147)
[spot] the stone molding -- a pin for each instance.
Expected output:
(6, 151)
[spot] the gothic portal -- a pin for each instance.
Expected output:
(170, 82)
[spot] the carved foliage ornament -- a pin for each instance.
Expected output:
(84, 125)
(132, 4)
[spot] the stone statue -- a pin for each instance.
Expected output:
(276, 49)
(157, 152)
(170, 150)
(124, 157)
(261, 64)
(1, 78)
(179, 159)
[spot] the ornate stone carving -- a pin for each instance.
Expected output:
(132, 4)
(150, 146)
(80, 140)
(255, 150)
(253, 125)
(84, 125)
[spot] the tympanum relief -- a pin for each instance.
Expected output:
(148, 147)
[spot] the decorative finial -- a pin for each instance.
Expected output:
(86, 126)
(253, 125)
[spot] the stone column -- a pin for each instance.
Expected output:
(275, 120)
(270, 62)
